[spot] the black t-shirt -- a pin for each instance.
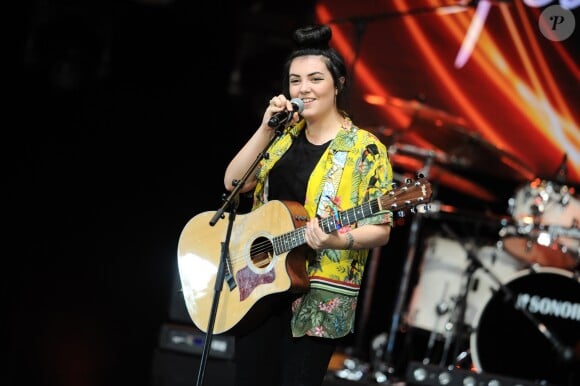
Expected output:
(289, 177)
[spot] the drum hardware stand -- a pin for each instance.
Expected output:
(385, 370)
(441, 308)
(457, 329)
(461, 330)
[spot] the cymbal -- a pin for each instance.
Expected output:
(441, 131)
(474, 152)
(425, 154)
(420, 111)
(445, 177)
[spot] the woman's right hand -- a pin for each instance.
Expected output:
(277, 103)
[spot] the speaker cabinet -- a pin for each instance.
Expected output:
(172, 368)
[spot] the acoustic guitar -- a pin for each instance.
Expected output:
(266, 256)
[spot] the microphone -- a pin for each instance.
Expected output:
(284, 116)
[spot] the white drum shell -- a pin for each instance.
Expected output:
(443, 277)
(440, 278)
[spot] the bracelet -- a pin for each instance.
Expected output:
(350, 240)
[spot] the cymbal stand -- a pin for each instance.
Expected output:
(385, 369)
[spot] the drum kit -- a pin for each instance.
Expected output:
(509, 307)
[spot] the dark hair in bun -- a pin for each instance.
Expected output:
(314, 37)
(314, 40)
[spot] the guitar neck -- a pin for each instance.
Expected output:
(399, 200)
(295, 238)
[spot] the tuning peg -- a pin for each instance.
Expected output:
(401, 213)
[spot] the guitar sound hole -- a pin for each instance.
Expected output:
(261, 252)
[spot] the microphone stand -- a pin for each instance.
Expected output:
(224, 272)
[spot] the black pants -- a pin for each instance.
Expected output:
(269, 356)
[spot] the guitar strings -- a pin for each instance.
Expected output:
(329, 224)
(265, 247)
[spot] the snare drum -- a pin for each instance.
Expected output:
(544, 229)
(507, 342)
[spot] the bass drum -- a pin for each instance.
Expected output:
(507, 342)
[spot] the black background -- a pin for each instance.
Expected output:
(123, 120)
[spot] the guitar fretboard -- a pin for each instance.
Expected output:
(395, 200)
(295, 238)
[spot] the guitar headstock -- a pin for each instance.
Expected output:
(407, 197)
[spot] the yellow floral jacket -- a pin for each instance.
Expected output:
(354, 169)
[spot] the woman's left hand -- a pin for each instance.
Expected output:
(316, 238)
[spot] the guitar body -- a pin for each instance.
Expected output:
(256, 272)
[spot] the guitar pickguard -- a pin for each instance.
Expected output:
(248, 280)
